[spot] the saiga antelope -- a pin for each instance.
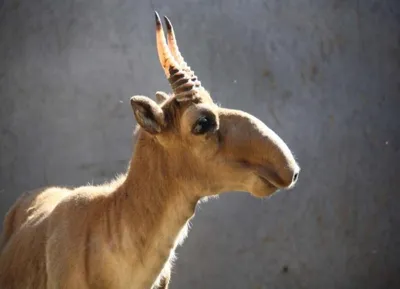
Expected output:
(123, 234)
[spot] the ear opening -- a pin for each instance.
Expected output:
(148, 114)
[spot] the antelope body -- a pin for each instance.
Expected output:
(123, 234)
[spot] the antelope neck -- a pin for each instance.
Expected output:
(155, 193)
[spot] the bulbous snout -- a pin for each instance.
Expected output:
(279, 166)
(260, 149)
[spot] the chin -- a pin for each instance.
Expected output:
(263, 193)
(262, 189)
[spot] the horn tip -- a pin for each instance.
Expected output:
(157, 17)
(168, 23)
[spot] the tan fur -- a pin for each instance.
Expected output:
(123, 234)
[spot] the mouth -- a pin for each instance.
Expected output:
(263, 188)
(266, 175)
(267, 182)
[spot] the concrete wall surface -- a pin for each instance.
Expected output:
(325, 75)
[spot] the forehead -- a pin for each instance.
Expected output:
(201, 97)
(188, 110)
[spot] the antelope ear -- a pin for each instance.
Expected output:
(148, 114)
(161, 96)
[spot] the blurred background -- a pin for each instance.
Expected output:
(325, 75)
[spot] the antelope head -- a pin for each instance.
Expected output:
(222, 149)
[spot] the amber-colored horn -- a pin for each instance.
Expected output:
(181, 78)
(173, 46)
(167, 61)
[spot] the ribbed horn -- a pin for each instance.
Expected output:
(181, 78)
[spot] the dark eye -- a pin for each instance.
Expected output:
(203, 124)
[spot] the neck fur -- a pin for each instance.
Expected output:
(157, 200)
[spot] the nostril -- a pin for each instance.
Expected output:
(295, 177)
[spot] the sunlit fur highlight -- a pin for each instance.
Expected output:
(123, 233)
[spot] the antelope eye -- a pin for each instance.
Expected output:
(203, 125)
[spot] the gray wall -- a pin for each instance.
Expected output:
(324, 74)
